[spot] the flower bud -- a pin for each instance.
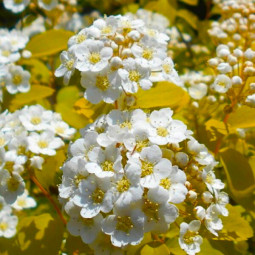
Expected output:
(207, 197)
(182, 159)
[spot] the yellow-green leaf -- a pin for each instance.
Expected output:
(208, 249)
(159, 250)
(49, 42)
(243, 117)
(190, 2)
(235, 227)
(66, 99)
(164, 94)
(240, 176)
(189, 17)
(36, 93)
(165, 7)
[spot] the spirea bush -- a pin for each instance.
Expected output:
(127, 127)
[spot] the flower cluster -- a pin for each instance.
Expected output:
(13, 77)
(234, 63)
(116, 55)
(27, 137)
(17, 6)
(131, 172)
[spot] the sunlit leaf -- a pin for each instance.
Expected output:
(164, 94)
(48, 43)
(243, 117)
(36, 93)
(189, 17)
(190, 2)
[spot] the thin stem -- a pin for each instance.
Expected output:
(47, 194)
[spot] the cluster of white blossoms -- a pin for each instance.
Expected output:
(234, 63)
(117, 55)
(17, 6)
(27, 137)
(13, 77)
(196, 83)
(236, 26)
(129, 173)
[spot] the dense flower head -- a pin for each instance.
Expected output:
(116, 55)
(131, 171)
(27, 137)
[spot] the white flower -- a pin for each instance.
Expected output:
(11, 185)
(124, 228)
(36, 162)
(198, 91)
(8, 225)
(7, 55)
(35, 117)
(24, 201)
(45, 143)
(92, 56)
(190, 240)
(17, 80)
(221, 84)
(250, 100)
(16, 6)
(165, 130)
(224, 68)
(101, 86)
(68, 65)
(104, 163)
(94, 195)
(211, 181)
(87, 228)
(135, 73)
(62, 129)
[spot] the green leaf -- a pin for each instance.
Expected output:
(174, 247)
(36, 93)
(66, 99)
(164, 94)
(243, 117)
(239, 173)
(235, 227)
(208, 249)
(165, 7)
(189, 17)
(48, 43)
(159, 250)
(190, 2)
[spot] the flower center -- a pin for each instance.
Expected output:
(60, 130)
(147, 54)
(35, 120)
(106, 30)
(80, 38)
(147, 168)
(124, 223)
(221, 83)
(161, 131)
(151, 32)
(94, 58)
(9, 165)
(69, 64)
(6, 53)
(78, 178)
(165, 183)
(107, 166)
(17, 79)
(97, 196)
(3, 226)
(88, 221)
(42, 144)
(123, 184)
(209, 178)
(13, 184)
(21, 202)
(189, 237)
(141, 144)
(134, 76)
(102, 82)
(151, 210)
(167, 68)
(2, 141)
(126, 124)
